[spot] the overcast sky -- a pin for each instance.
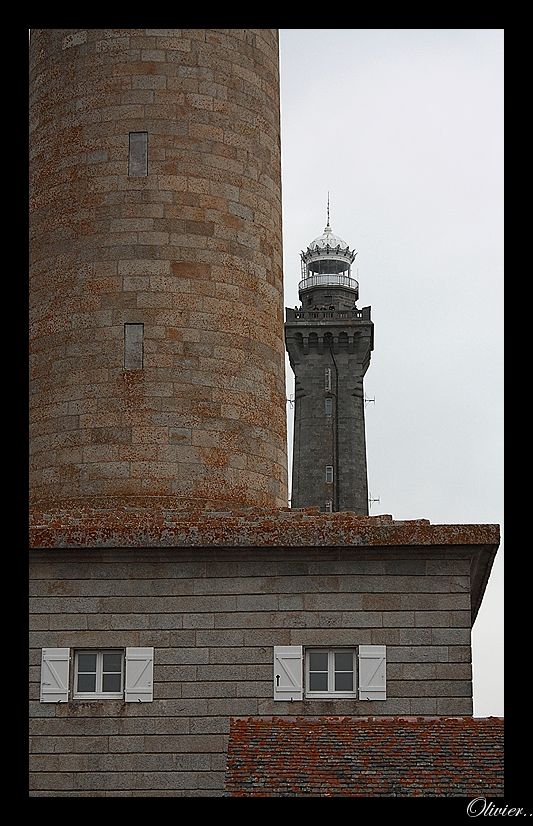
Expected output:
(404, 127)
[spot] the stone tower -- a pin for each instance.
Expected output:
(157, 356)
(329, 341)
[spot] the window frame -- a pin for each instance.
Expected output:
(330, 694)
(131, 165)
(329, 472)
(133, 354)
(328, 407)
(327, 379)
(99, 694)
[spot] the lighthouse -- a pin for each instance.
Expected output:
(329, 341)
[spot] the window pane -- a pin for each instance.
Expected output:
(318, 681)
(111, 682)
(133, 346)
(318, 661)
(113, 661)
(86, 682)
(344, 661)
(138, 154)
(344, 681)
(87, 662)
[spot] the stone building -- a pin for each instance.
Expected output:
(172, 589)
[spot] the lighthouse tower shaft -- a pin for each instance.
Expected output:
(329, 342)
(156, 309)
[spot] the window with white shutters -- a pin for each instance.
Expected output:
(104, 674)
(372, 672)
(288, 672)
(55, 664)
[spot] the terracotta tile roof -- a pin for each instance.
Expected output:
(365, 757)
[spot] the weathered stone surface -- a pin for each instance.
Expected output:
(198, 204)
(146, 523)
(337, 439)
(213, 616)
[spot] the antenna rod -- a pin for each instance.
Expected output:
(328, 208)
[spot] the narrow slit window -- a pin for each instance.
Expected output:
(329, 474)
(327, 378)
(329, 506)
(328, 407)
(138, 155)
(133, 346)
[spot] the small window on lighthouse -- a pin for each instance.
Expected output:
(138, 155)
(329, 474)
(133, 346)
(328, 406)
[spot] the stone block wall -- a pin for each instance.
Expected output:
(337, 440)
(213, 616)
(191, 250)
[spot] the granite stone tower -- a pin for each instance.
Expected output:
(157, 363)
(329, 341)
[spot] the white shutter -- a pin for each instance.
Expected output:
(54, 675)
(288, 672)
(372, 672)
(139, 675)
